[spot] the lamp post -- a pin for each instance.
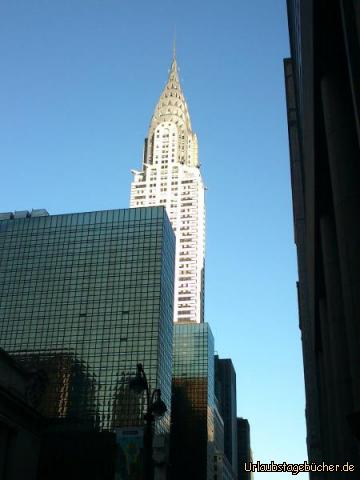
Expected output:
(155, 409)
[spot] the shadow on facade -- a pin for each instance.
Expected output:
(80, 455)
(188, 441)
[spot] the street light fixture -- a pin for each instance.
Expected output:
(155, 409)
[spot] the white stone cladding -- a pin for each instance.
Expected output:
(170, 176)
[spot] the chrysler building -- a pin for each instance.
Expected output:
(170, 176)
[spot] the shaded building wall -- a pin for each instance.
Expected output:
(244, 448)
(322, 80)
(312, 412)
(87, 455)
(225, 390)
(218, 430)
(223, 469)
(192, 430)
(20, 424)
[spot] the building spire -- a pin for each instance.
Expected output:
(174, 45)
(174, 68)
(171, 106)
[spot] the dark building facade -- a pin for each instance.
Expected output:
(20, 424)
(244, 448)
(192, 430)
(223, 469)
(83, 299)
(323, 101)
(225, 391)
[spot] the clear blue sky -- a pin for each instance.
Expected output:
(79, 82)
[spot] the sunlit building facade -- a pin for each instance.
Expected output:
(84, 298)
(170, 176)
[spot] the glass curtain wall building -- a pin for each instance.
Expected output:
(84, 298)
(193, 402)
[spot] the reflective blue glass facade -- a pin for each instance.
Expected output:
(83, 299)
(193, 402)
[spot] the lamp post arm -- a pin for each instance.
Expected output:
(155, 392)
(148, 403)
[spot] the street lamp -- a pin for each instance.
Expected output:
(155, 409)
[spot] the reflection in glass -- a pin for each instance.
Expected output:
(80, 301)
